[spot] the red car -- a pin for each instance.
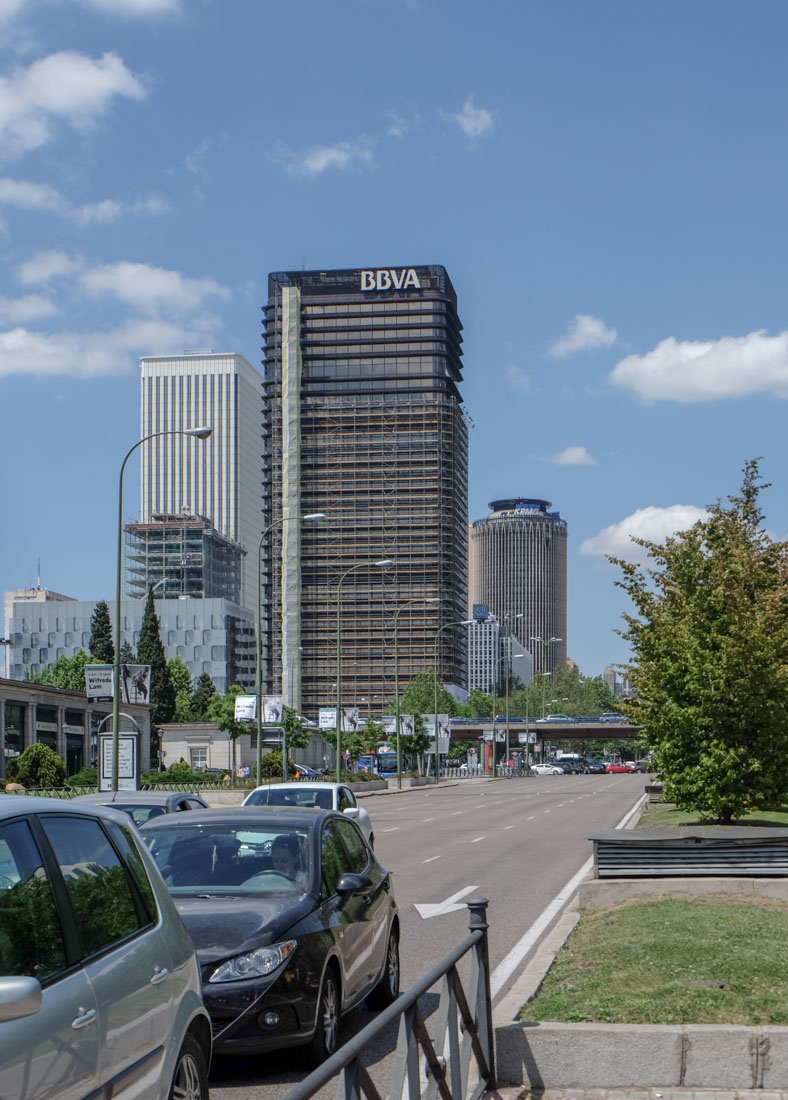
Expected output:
(618, 768)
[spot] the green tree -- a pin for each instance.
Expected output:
(40, 766)
(181, 680)
(151, 652)
(419, 696)
(204, 691)
(127, 654)
(479, 704)
(65, 672)
(221, 711)
(101, 645)
(710, 658)
(298, 735)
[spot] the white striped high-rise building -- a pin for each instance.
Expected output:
(220, 478)
(517, 568)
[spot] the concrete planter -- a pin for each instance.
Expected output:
(369, 785)
(641, 1056)
(419, 781)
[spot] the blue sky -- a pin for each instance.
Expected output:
(605, 181)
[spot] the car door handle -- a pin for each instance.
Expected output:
(159, 976)
(84, 1018)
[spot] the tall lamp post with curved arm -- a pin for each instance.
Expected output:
(197, 433)
(259, 639)
(397, 613)
(381, 564)
(438, 632)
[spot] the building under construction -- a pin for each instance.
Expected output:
(364, 424)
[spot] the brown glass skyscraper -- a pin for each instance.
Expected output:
(364, 422)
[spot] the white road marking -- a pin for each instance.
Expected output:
(428, 819)
(448, 906)
(477, 839)
(432, 858)
(530, 818)
(393, 829)
(505, 826)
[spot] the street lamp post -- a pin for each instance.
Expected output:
(505, 657)
(197, 433)
(516, 657)
(417, 599)
(460, 622)
(382, 563)
(259, 640)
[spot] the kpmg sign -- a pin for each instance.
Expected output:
(390, 279)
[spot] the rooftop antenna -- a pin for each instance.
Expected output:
(39, 574)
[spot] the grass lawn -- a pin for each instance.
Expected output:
(709, 959)
(657, 815)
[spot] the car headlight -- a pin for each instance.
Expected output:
(255, 964)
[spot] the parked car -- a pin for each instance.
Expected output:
(141, 806)
(619, 767)
(546, 769)
(555, 718)
(305, 772)
(595, 767)
(611, 716)
(325, 796)
(293, 918)
(99, 985)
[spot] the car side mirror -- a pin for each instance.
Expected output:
(19, 996)
(351, 883)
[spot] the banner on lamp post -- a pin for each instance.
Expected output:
(245, 708)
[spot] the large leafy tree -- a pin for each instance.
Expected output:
(101, 644)
(419, 696)
(65, 672)
(40, 766)
(181, 680)
(150, 651)
(709, 639)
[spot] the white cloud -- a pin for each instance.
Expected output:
(45, 266)
(573, 456)
(318, 159)
(584, 332)
(9, 9)
(27, 195)
(517, 378)
(16, 311)
(31, 196)
(87, 355)
(141, 8)
(150, 289)
(651, 523)
(709, 370)
(65, 86)
(474, 121)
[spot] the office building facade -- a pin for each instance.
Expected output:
(364, 423)
(221, 477)
(518, 570)
(211, 636)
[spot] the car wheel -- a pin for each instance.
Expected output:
(387, 989)
(326, 1038)
(190, 1081)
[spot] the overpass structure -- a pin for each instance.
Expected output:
(535, 733)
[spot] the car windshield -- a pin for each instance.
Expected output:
(301, 795)
(273, 859)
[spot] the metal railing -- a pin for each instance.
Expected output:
(459, 1055)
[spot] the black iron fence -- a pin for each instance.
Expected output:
(452, 1058)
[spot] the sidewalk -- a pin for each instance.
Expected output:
(634, 1094)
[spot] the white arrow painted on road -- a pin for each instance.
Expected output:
(448, 906)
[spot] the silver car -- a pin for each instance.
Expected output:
(321, 796)
(99, 986)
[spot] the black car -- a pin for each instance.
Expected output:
(293, 918)
(594, 767)
(142, 806)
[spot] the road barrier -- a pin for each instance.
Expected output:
(459, 1056)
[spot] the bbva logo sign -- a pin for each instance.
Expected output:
(389, 279)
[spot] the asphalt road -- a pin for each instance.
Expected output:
(516, 842)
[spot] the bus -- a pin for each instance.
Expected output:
(382, 763)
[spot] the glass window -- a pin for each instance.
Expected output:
(334, 860)
(31, 939)
(96, 882)
(357, 849)
(345, 799)
(125, 844)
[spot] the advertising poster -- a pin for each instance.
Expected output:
(245, 708)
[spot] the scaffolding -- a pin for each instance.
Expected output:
(181, 555)
(383, 453)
